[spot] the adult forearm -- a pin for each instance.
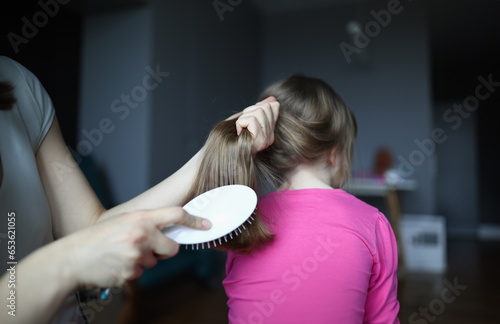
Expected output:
(170, 192)
(36, 287)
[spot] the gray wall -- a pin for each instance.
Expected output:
(116, 51)
(213, 71)
(214, 68)
(457, 186)
(387, 85)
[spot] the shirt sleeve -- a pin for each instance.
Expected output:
(382, 305)
(32, 101)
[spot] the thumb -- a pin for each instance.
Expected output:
(164, 217)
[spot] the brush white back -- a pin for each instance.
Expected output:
(227, 207)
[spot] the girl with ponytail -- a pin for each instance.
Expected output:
(315, 253)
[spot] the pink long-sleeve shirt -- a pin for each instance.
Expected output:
(333, 260)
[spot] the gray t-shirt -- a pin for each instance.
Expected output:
(22, 130)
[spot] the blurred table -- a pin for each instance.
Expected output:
(378, 186)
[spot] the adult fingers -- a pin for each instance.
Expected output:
(136, 273)
(255, 121)
(260, 121)
(163, 247)
(159, 244)
(269, 106)
(163, 217)
(150, 258)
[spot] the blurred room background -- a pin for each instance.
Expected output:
(137, 84)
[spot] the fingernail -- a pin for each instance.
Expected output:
(206, 224)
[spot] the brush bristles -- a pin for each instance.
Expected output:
(225, 237)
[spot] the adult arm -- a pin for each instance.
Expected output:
(104, 255)
(73, 203)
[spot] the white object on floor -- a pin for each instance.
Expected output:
(424, 242)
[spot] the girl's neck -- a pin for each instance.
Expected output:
(308, 176)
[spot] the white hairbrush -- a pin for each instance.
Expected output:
(227, 207)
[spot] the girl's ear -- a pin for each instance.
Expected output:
(332, 158)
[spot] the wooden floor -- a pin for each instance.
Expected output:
(473, 273)
(472, 266)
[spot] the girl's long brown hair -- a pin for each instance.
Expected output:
(313, 122)
(228, 160)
